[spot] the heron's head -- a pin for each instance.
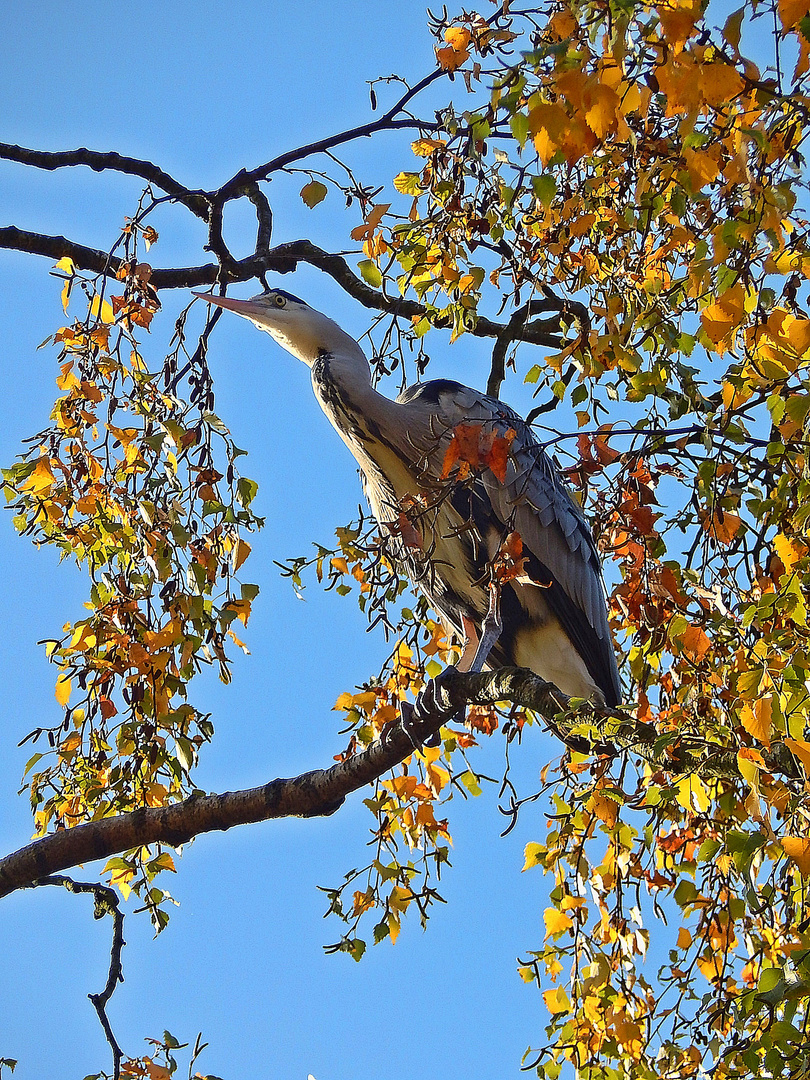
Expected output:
(297, 327)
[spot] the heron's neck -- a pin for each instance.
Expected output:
(342, 384)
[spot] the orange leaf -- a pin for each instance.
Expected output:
(497, 457)
(801, 750)
(723, 526)
(695, 642)
(465, 446)
(684, 938)
(757, 718)
(797, 849)
(791, 12)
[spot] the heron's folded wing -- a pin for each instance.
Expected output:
(533, 501)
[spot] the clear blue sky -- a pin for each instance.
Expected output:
(204, 89)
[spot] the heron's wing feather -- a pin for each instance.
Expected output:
(534, 502)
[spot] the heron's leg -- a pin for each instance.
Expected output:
(491, 629)
(470, 644)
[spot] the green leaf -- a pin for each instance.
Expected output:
(246, 491)
(313, 193)
(545, 188)
(519, 124)
(470, 782)
(370, 273)
(31, 763)
(357, 947)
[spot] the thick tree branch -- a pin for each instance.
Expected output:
(99, 162)
(322, 791)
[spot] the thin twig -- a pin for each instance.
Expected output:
(106, 903)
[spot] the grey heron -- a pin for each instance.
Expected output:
(551, 615)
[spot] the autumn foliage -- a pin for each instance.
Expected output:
(639, 170)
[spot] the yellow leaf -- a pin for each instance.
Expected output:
(556, 922)
(692, 794)
(41, 479)
(757, 718)
(601, 116)
(65, 264)
(458, 37)
(240, 553)
(340, 564)
(408, 183)
(605, 809)
(557, 1000)
(797, 849)
(532, 855)
(720, 83)
(750, 762)
(99, 307)
(62, 691)
(702, 167)
(425, 147)
(798, 333)
(362, 902)
(789, 551)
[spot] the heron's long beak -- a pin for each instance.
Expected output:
(248, 308)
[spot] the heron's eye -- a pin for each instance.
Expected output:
(281, 301)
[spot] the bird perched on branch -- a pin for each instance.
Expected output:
(476, 511)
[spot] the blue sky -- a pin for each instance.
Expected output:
(204, 89)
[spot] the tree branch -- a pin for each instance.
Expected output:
(385, 122)
(106, 903)
(279, 260)
(516, 328)
(322, 791)
(99, 162)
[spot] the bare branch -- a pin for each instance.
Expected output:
(99, 162)
(386, 122)
(106, 903)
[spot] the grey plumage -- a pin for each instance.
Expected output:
(554, 616)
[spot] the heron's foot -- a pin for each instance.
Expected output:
(428, 703)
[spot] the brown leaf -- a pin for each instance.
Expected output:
(695, 642)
